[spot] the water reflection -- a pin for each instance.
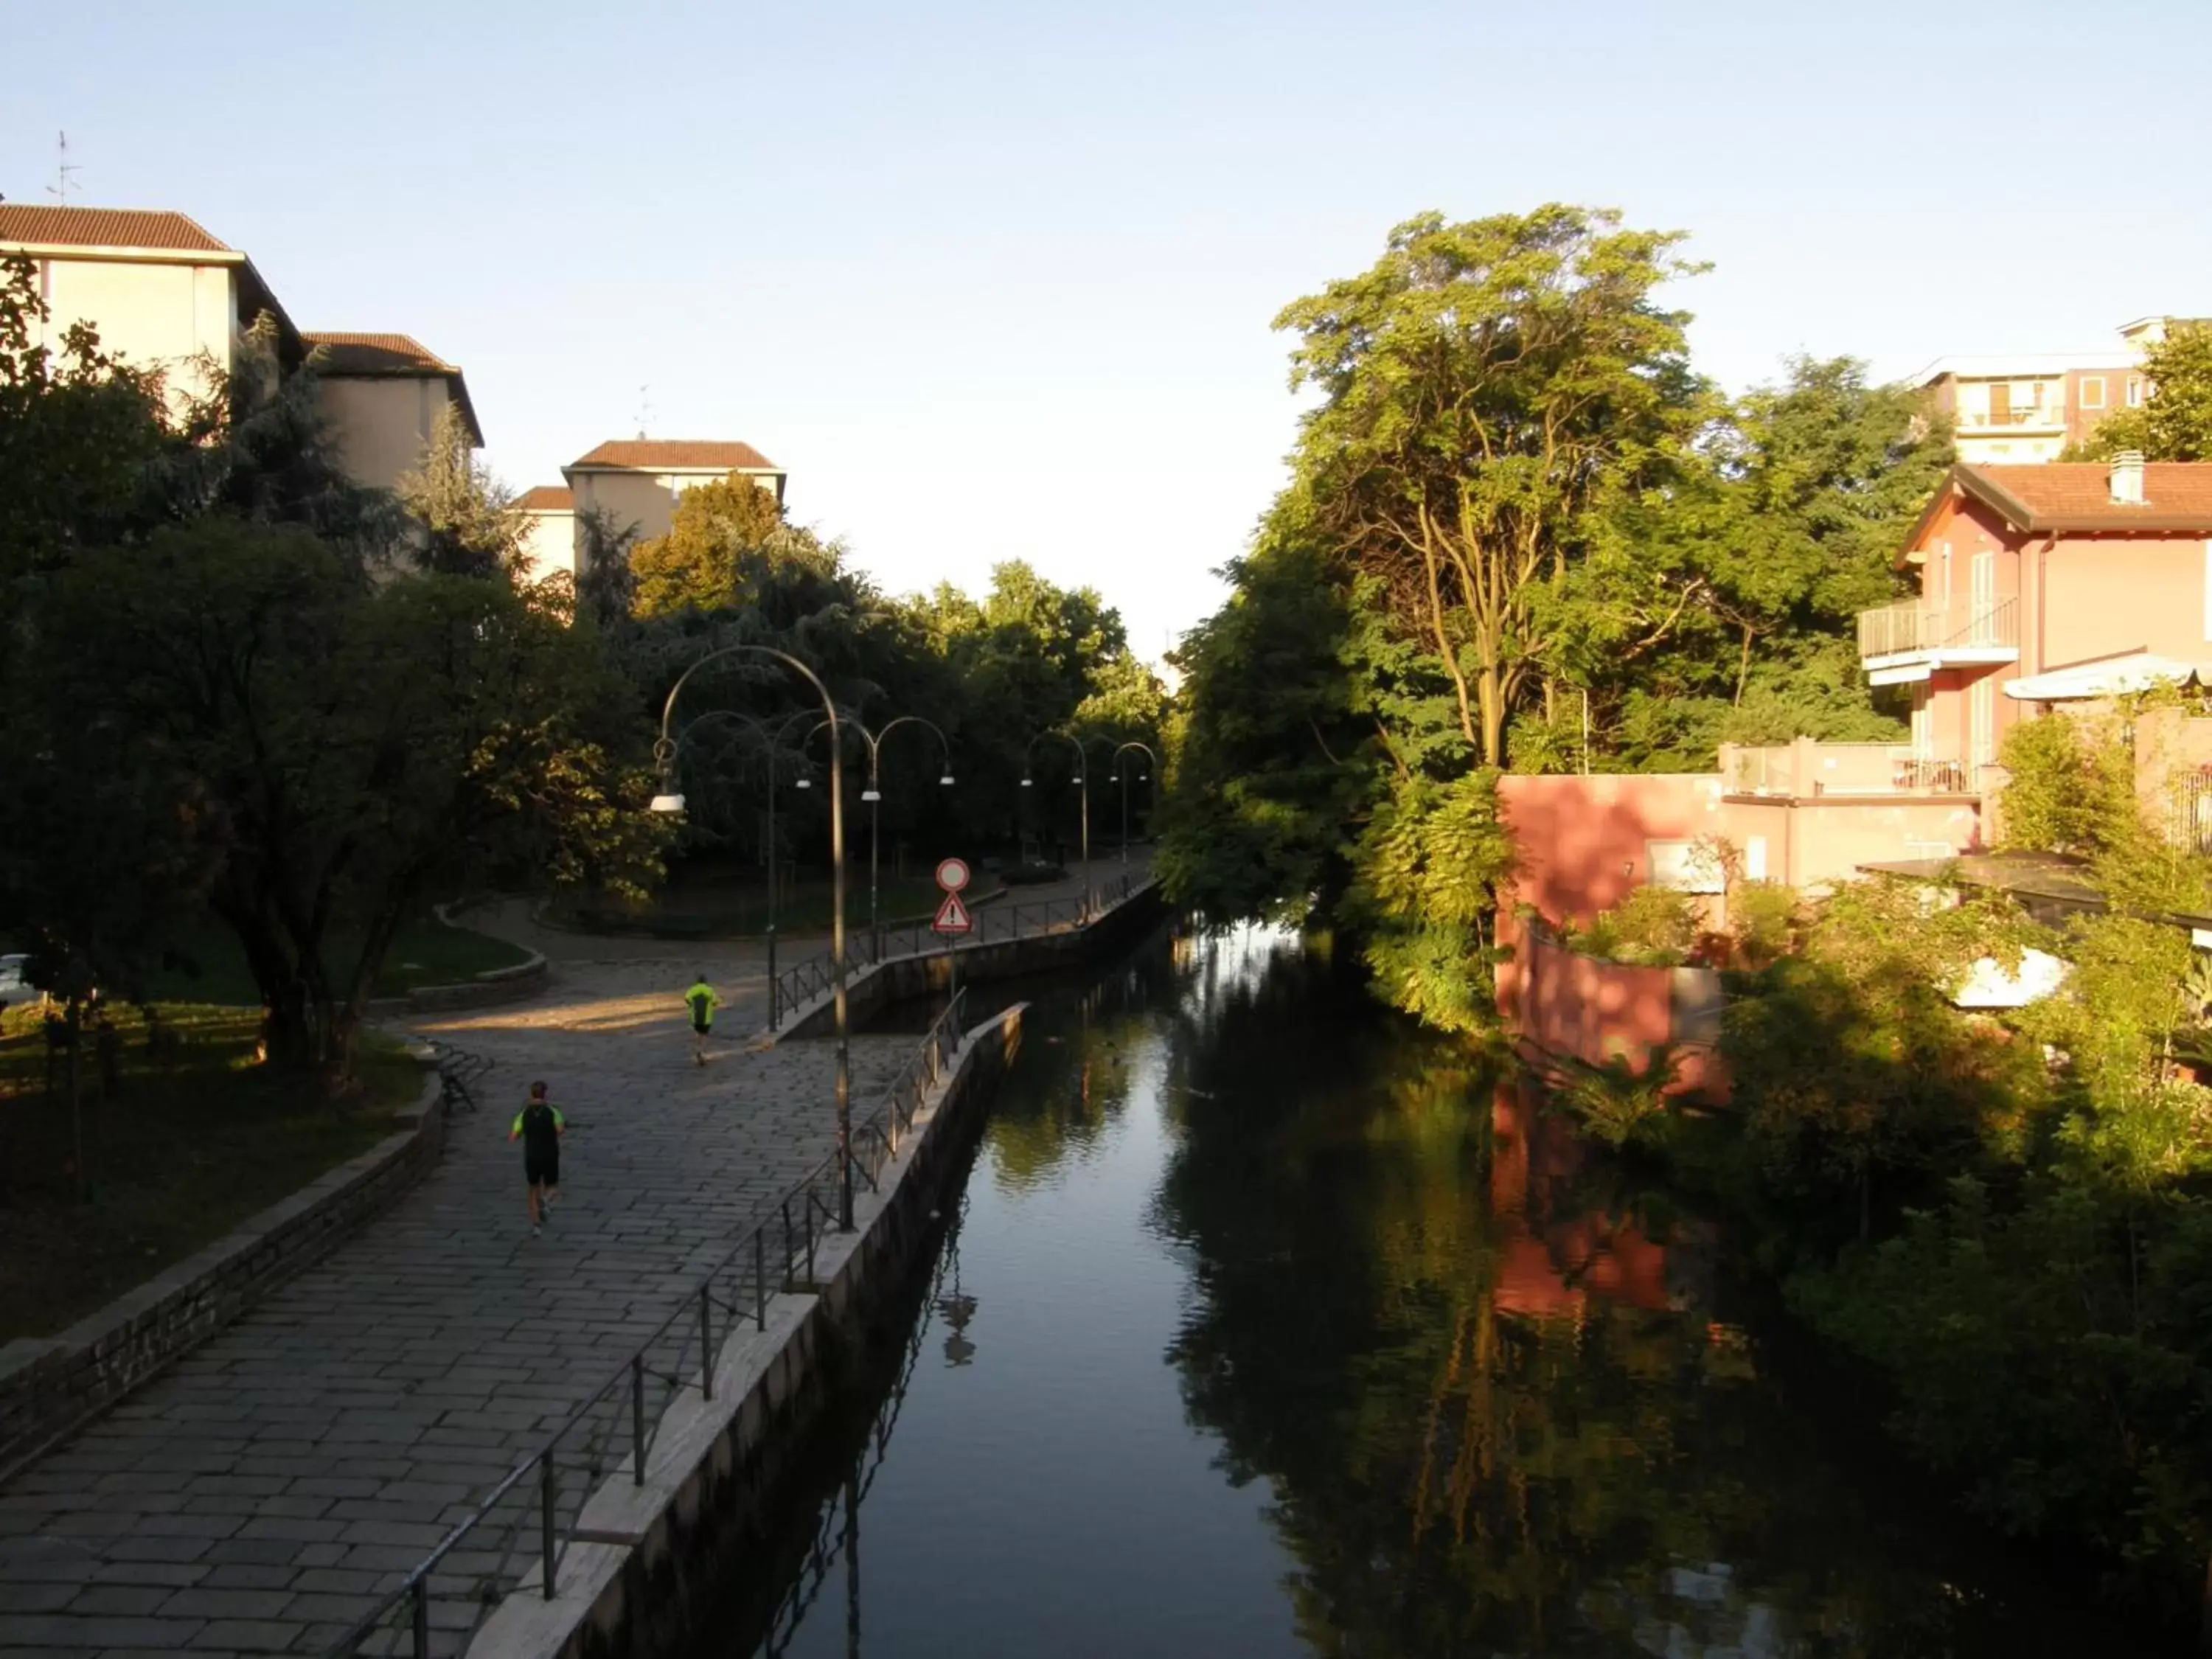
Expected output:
(1435, 1381)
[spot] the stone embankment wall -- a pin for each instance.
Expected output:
(48, 1386)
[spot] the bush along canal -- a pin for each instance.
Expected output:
(1266, 1324)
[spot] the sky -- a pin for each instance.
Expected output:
(996, 280)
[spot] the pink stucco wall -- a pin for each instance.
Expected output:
(1581, 842)
(1583, 1009)
(2108, 594)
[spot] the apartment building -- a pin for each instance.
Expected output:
(2021, 409)
(164, 294)
(634, 483)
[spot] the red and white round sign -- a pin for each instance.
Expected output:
(952, 874)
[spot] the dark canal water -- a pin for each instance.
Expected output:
(1266, 1326)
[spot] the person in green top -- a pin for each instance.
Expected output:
(539, 1126)
(702, 1002)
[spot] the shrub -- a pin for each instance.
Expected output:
(1652, 927)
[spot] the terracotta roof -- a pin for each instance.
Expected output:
(85, 226)
(546, 498)
(648, 454)
(376, 354)
(2078, 495)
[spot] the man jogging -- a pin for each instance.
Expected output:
(539, 1126)
(702, 1001)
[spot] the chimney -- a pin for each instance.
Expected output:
(2128, 478)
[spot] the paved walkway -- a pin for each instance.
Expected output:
(260, 1495)
(257, 1497)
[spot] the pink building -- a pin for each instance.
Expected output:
(2042, 586)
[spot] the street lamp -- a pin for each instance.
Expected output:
(670, 800)
(1122, 778)
(1082, 780)
(873, 795)
(770, 737)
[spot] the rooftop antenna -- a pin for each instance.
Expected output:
(65, 171)
(644, 409)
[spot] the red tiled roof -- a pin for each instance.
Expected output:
(546, 498)
(2078, 495)
(86, 227)
(647, 454)
(376, 354)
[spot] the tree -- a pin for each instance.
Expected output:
(358, 748)
(726, 536)
(465, 517)
(1487, 386)
(2175, 423)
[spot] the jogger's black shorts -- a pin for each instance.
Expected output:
(542, 1169)
(702, 1026)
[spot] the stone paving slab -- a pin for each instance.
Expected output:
(254, 1497)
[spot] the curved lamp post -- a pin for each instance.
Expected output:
(1082, 780)
(770, 737)
(873, 793)
(1122, 777)
(670, 800)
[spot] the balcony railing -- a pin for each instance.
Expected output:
(1806, 768)
(1913, 628)
(2034, 415)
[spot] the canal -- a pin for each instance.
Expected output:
(1264, 1325)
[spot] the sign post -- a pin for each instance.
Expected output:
(953, 918)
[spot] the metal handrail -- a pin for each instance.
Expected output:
(814, 975)
(786, 1240)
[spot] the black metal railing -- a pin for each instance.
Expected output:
(802, 983)
(520, 1534)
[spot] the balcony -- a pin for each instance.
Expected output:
(1807, 769)
(2034, 417)
(1911, 641)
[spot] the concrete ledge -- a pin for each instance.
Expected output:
(659, 1551)
(487, 990)
(52, 1386)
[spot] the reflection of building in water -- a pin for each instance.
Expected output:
(1554, 1263)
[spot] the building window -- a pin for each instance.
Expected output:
(1981, 713)
(2093, 392)
(1686, 867)
(2207, 589)
(2135, 390)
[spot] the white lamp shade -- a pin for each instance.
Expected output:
(804, 783)
(667, 803)
(871, 794)
(1028, 783)
(947, 780)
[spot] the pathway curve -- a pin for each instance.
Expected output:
(258, 1496)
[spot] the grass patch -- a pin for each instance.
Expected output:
(426, 952)
(187, 1145)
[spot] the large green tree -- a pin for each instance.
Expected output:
(1486, 388)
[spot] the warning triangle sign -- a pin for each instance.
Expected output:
(952, 916)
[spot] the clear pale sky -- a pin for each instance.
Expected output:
(994, 280)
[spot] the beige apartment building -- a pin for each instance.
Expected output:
(635, 484)
(2023, 407)
(165, 295)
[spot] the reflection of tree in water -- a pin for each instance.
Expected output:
(1480, 1373)
(1084, 1065)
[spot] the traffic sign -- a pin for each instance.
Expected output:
(952, 874)
(952, 917)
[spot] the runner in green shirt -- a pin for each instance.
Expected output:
(702, 1002)
(539, 1126)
